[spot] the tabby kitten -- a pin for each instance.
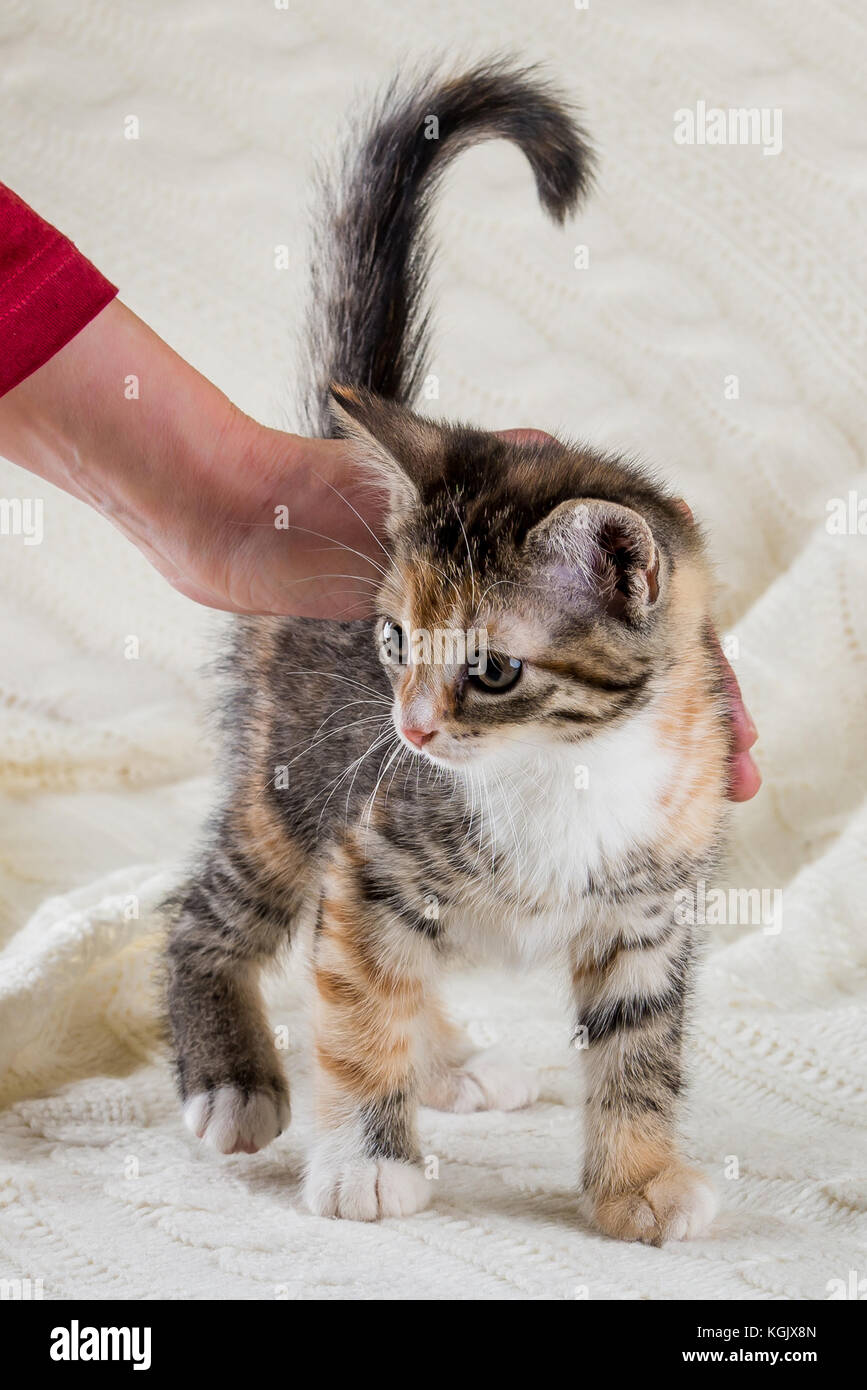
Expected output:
(394, 806)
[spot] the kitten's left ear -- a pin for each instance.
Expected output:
(395, 445)
(603, 551)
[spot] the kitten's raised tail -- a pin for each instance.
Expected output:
(368, 325)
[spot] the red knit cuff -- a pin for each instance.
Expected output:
(48, 290)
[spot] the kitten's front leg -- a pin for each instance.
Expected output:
(231, 1081)
(371, 967)
(630, 1015)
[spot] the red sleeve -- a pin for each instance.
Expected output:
(48, 290)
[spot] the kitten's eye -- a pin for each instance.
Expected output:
(394, 643)
(500, 672)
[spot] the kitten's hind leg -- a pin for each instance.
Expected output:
(226, 925)
(463, 1080)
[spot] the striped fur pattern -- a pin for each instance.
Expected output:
(556, 818)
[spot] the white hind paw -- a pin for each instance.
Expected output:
(483, 1083)
(365, 1189)
(233, 1121)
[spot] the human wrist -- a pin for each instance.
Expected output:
(121, 422)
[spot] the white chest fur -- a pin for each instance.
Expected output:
(557, 820)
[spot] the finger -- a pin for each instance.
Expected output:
(525, 436)
(744, 778)
(744, 730)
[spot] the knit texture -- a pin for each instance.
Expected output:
(705, 263)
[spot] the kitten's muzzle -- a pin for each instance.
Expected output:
(418, 737)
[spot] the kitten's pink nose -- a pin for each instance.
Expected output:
(418, 736)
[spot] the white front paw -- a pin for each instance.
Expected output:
(678, 1203)
(364, 1189)
(234, 1121)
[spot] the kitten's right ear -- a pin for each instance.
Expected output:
(389, 441)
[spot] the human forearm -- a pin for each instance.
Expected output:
(119, 420)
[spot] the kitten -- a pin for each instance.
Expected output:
(428, 804)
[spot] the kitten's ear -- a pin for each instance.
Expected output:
(603, 551)
(395, 445)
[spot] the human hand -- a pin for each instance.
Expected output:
(744, 777)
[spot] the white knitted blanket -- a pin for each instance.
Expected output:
(718, 330)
